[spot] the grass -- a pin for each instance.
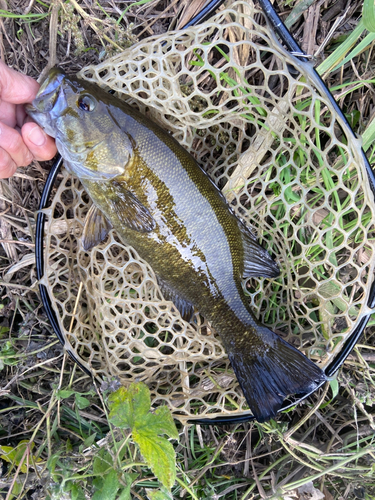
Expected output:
(55, 436)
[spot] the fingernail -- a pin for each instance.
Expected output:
(37, 136)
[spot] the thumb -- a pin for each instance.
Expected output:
(15, 87)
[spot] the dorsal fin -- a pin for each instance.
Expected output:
(257, 261)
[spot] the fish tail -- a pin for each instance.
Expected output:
(269, 374)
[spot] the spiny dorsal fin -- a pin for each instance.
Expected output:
(257, 261)
(96, 228)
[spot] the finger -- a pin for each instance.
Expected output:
(7, 165)
(16, 87)
(21, 115)
(8, 113)
(11, 142)
(41, 145)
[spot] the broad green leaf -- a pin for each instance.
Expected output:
(157, 495)
(160, 422)
(53, 460)
(82, 402)
(109, 488)
(129, 406)
(64, 393)
(159, 455)
(15, 455)
(3, 330)
(77, 492)
(7, 354)
(102, 462)
(334, 387)
(90, 440)
(18, 487)
(129, 478)
(369, 15)
(125, 494)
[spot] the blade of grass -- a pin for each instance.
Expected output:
(368, 135)
(361, 47)
(337, 56)
(297, 12)
(369, 15)
(141, 2)
(25, 17)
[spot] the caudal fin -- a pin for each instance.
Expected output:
(272, 373)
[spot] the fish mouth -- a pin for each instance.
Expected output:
(50, 101)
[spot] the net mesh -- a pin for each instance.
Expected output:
(259, 126)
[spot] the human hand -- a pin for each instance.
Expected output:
(21, 139)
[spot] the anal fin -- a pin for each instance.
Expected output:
(185, 308)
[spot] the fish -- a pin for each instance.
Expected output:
(147, 187)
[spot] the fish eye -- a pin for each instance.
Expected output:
(86, 103)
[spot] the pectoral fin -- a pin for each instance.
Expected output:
(96, 228)
(130, 211)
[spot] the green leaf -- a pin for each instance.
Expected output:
(157, 495)
(338, 55)
(160, 422)
(159, 455)
(3, 330)
(7, 354)
(368, 135)
(129, 406)
(15, 455)
(125, 494)
(82, 402)
(64, 393)
(297, 12)
(77, 492)
(363, 45)
(16, 490)
(90, 440)
(109, 489)
(334, 387)
(369, 15)
(129, 478)
(102, 462)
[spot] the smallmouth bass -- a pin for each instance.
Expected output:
(153, 193)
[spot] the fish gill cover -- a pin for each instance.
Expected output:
(245, 108)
